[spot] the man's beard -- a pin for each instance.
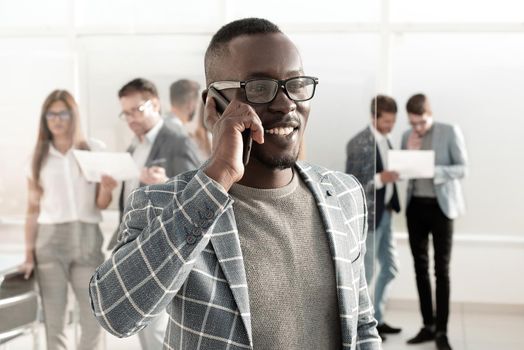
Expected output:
(274, 162)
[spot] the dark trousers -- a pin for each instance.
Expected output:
(424, 216)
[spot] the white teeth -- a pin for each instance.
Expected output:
(280, 131)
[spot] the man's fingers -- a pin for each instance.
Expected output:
(243, 116)
(257, 130)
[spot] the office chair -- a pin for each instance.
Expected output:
(19, 307)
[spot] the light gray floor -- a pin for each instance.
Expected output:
(469, 329)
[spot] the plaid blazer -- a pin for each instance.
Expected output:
(179, 251)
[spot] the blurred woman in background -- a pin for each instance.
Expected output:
(62, 233)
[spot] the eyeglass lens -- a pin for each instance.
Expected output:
(63, 115)
(264, 90)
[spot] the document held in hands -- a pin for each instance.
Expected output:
(412, 164)
(118, 165)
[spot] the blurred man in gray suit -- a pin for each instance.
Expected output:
(160, 151)
(432, 205)
(367, 160)
(185, 98)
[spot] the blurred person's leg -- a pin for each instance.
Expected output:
(88, 241)
(370, 259)
(51, 274)
(152, 337)
(52, 281)
(90, 330)
(442, 242)
(388, 261)
(418, 222)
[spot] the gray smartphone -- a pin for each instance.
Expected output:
(222, 103)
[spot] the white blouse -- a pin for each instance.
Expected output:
(67, 195)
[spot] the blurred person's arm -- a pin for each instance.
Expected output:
(458, 155)
(34, 194)
(104, 191)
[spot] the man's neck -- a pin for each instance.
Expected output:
(180, 114)
(258, 175)
(142, 137)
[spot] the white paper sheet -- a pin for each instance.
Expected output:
(412, 164)
(118, 165)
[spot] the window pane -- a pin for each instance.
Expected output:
(347, 83)
(297, 11)
(106, 14)
(475, 81)
(31, 68)
(113, 61)
(457, 11)
(34, 13)
(173, 13)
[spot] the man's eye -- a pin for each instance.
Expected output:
(295, 86)
(260, 88)
(257, 88)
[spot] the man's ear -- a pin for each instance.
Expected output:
(204, 96)
(156, 104)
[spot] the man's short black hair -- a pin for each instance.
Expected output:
(218, 44)
(381, 104)
(183, 91)
(140, 85)
(417, 104)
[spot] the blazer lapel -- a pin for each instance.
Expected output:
(226, 244)
(343, 243)
(436, 139)
(156, 148)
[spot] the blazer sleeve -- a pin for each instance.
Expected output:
(155, 253)
(458, 156)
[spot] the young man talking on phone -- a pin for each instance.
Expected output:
(267, 255)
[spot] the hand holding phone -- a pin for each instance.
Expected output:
(222, 103)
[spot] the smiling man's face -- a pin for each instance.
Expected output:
(269, 56)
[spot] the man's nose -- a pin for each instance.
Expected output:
(282, 103)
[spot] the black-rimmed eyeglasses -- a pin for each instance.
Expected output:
(264, 90)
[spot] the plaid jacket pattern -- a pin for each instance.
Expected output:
(179, 251)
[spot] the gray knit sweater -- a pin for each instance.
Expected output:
(290, 272)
